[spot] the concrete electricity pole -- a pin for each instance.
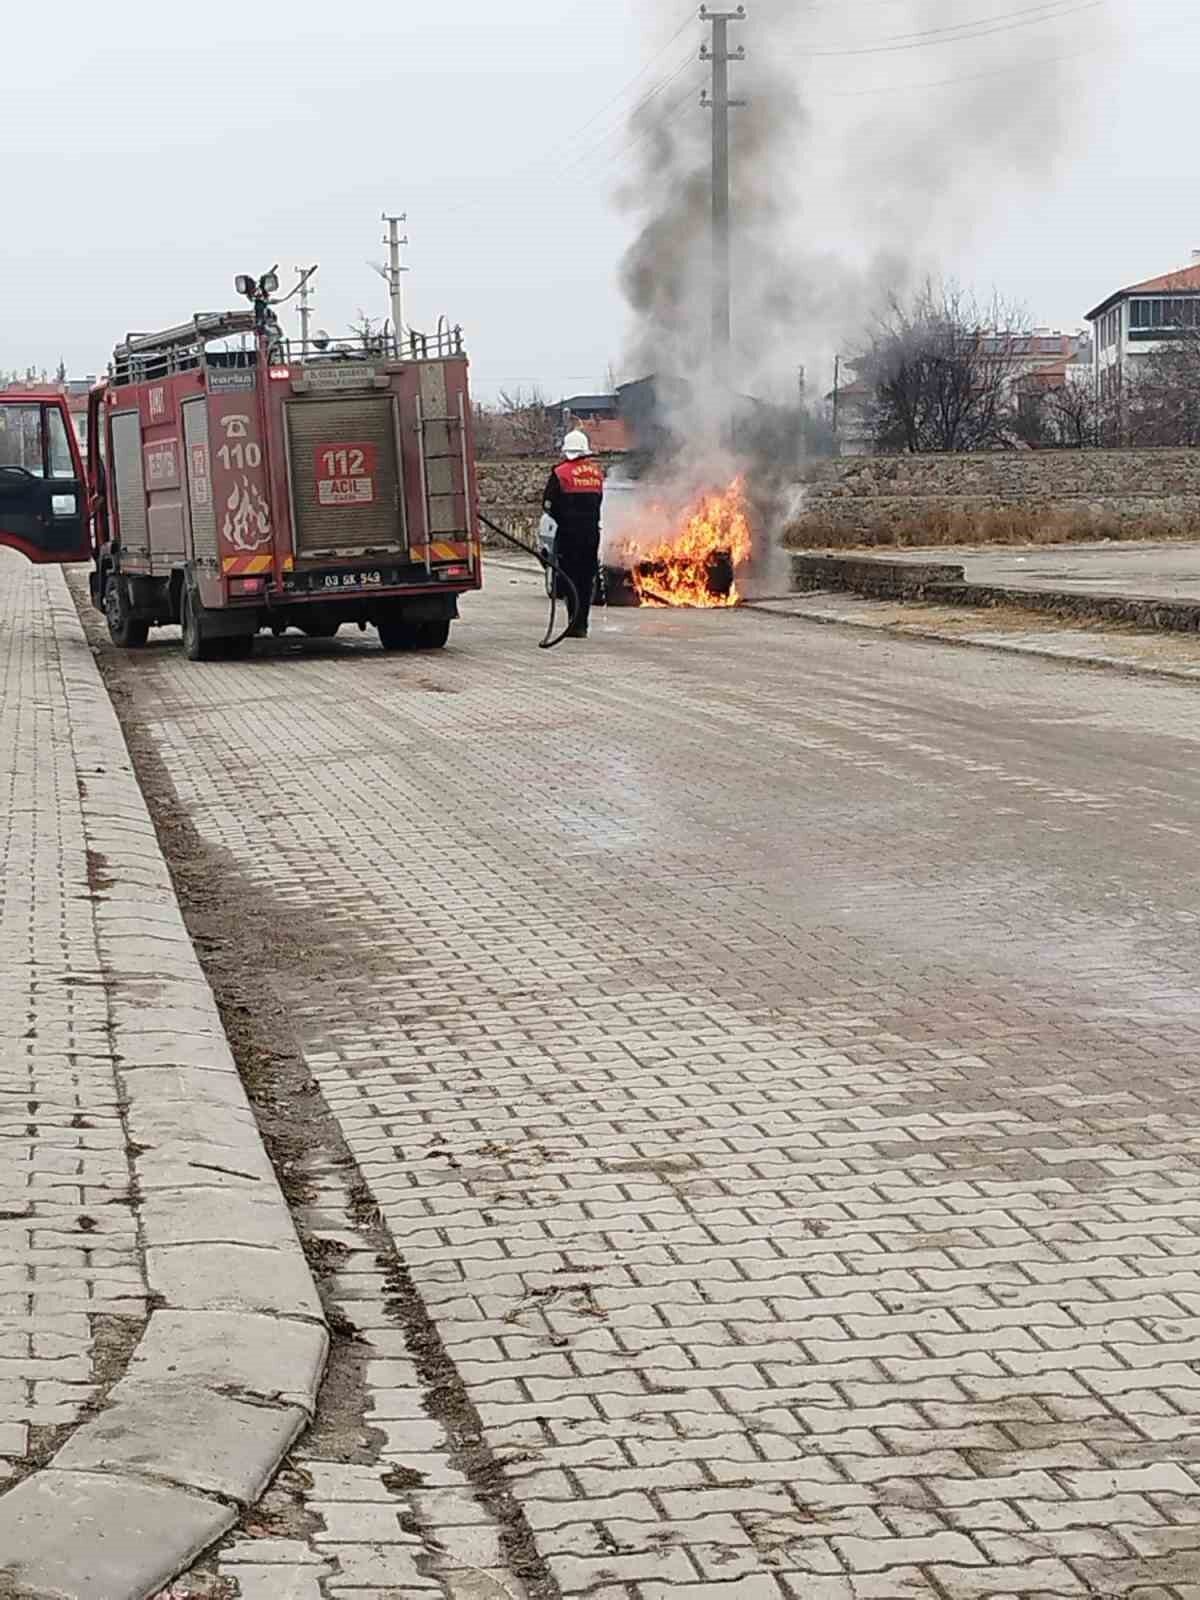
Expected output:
(394, 273)
(721, 105)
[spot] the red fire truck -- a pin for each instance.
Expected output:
(237, 483)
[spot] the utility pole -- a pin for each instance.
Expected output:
(837, 392)
(305, 308)
(394, 274)
(721, 105)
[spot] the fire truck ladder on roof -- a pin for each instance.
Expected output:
(156, 355)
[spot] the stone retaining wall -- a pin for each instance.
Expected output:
(510, 492)
(1010, 497)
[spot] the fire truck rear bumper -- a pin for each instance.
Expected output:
(335, 583)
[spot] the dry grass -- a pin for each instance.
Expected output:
(944, 523)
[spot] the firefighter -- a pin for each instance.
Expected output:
(573, 499)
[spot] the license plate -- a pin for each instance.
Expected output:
(340, 582)
(350, 580)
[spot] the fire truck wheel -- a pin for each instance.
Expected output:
(432, 635)
(396, 633)
(125, 631)
(197, 644)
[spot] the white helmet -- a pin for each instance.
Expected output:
(576, 444)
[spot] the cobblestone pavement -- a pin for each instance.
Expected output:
(773, 1053)
(71, 1285)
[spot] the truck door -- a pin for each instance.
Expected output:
(43, 497)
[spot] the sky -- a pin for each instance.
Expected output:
(152, 152)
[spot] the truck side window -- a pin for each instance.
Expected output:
(58, 452)
(21, 438)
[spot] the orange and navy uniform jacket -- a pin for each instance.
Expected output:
(573, 498)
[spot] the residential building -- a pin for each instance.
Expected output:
(1134, 322)
(1036, 364)
(599, 417)
(654, 410)
(1044, 360)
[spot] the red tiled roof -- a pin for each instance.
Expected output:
(1184, 280)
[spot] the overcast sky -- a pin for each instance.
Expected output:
(153, 151)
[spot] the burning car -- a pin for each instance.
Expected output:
(663, 548)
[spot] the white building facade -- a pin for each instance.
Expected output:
(1136, 321)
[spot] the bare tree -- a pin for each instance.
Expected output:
(1073, 415)
(521, 423)
(370, 334)
(1065, 416)
(1162, 399)
(942, 370)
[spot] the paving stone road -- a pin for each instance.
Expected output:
(774, 1054)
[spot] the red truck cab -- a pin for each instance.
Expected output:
(43, 485)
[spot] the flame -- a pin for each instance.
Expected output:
(694, 566)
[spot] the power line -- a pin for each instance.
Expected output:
(553, 165)
(995, 26)
(892, 91)
(670, 116)
(950, 28)
(688, 22)
(1021, 68)
(587, 154)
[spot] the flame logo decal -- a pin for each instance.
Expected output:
(247, 524)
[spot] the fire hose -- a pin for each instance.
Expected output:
(551, 566)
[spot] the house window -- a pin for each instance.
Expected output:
(1158, 317)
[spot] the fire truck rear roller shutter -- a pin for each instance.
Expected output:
(313, 425)
(130, 484)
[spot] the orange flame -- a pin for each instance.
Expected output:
(692, 566)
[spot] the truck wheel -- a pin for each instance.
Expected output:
(197, 645)
(432, 635)
(396, 633)
(320, 630)
(125, 631)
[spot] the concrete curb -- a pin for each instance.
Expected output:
(883, 579)
(228, 1369)
(796, 612)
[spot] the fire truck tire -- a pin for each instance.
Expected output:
(395, 633)
(431, 635)
(399, 633)
(197, 644)
(125, 630)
